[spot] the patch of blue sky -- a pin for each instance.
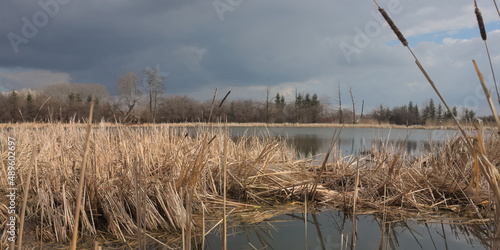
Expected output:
(437, 37)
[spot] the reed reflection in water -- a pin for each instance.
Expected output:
(330, 229)
(309, 142)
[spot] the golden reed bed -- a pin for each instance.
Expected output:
(145, 177)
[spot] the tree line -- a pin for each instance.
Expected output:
(142, 100)
(410, 114)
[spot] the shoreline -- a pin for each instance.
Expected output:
(289, 125)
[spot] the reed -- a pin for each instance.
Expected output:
(224, 179)
(82, 178)
(168, 161)
(476, 146)
(25, 197)
(487, 93)
(496, 7)
(259, 172)
(354, 218)
(403, 40)
(484, 36)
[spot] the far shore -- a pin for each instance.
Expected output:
(315, 125)
(296, 125)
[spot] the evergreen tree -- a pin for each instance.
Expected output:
(277, 98)
(30, 107)
(14, 106)
(29, 98)
(432, 110)
(440, 112)
(314, 100)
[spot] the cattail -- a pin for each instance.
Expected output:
(213, 138)
(393, 27)
(481, 24)
(224, 98)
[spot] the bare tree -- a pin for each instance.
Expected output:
(61, 91)
(156, 89)
(362, 109)
(353, 106)
(296, 106)
(267, 105)
(341, 120)
(128, 88)
(179, 109)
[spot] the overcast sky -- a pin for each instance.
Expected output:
(251, 45)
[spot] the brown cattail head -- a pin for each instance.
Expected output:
(224, 98)
(481, 24)
(393, 27)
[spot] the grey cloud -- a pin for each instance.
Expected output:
(259, 43)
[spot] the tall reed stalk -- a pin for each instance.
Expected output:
(224, 174)
(25, 198)
(405, 43)
(488, 169)
(496, 7)
(487, 93)
(354, 220)
(484, 36)
(82, 177)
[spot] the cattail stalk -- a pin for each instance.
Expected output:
(480, 23)
(496, 7)
(223, 99)
(393, 27)
(82, 177)
(405, 43)
(484, 36)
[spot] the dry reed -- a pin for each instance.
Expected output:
(260, 172)
(475, 147)
(484, 36)
(25, 197)
(82, 178)
(169, 162)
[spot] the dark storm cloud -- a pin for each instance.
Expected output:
(282, 44)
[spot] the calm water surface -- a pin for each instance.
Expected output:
(312, 141)
(326, 229)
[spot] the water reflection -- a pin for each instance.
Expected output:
(306, 146)
(333, 230)
(313, 141)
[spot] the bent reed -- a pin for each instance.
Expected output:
(261, 173)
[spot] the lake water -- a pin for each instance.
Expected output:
(313, 141)
(325, 230)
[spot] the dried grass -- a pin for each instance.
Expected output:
(261, 172)
(169, 163)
